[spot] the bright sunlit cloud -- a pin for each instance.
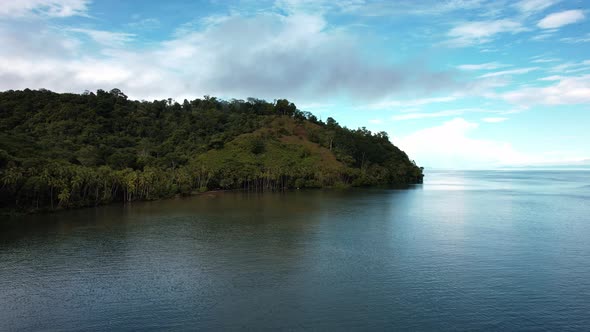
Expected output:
(557, 20)
(451, 143)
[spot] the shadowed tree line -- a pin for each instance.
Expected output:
(73, 150)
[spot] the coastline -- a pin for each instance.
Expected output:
(12, 213)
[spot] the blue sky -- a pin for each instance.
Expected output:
(456, 84)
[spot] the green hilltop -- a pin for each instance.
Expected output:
(73, 150)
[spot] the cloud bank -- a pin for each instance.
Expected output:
(451, 144)
(297, 56)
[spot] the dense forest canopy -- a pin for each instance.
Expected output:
(71, 150)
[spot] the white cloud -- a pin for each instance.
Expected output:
(315, 106)
(510, 72)
(494, 120)
(266, 55)
(454, 144)
(409, 103)
(315, 6)
(483, 66)
(533, 6)
(413, 116)
(544, 60)
(145, 24)
(56, 60)
(49, 8)
(481, 31)
(575, 40)
(376, 121)
(383, 8)
(544, 35)
(571, 67)
(557, 20)
(450, 145)
(106, 38)
(416, 114)
(551, 78)
(409, 109)
(567, 91)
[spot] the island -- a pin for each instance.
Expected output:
(65, 150)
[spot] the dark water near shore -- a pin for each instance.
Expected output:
(502, 250)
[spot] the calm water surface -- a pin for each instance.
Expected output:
(503, 250)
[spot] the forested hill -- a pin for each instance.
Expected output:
(71, 150)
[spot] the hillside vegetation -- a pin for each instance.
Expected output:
(73, 150)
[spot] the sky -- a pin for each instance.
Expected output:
(460, 84)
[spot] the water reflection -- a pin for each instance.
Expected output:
(465, 250)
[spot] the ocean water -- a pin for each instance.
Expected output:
(467, 250)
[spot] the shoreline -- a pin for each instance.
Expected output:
(15, 213)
